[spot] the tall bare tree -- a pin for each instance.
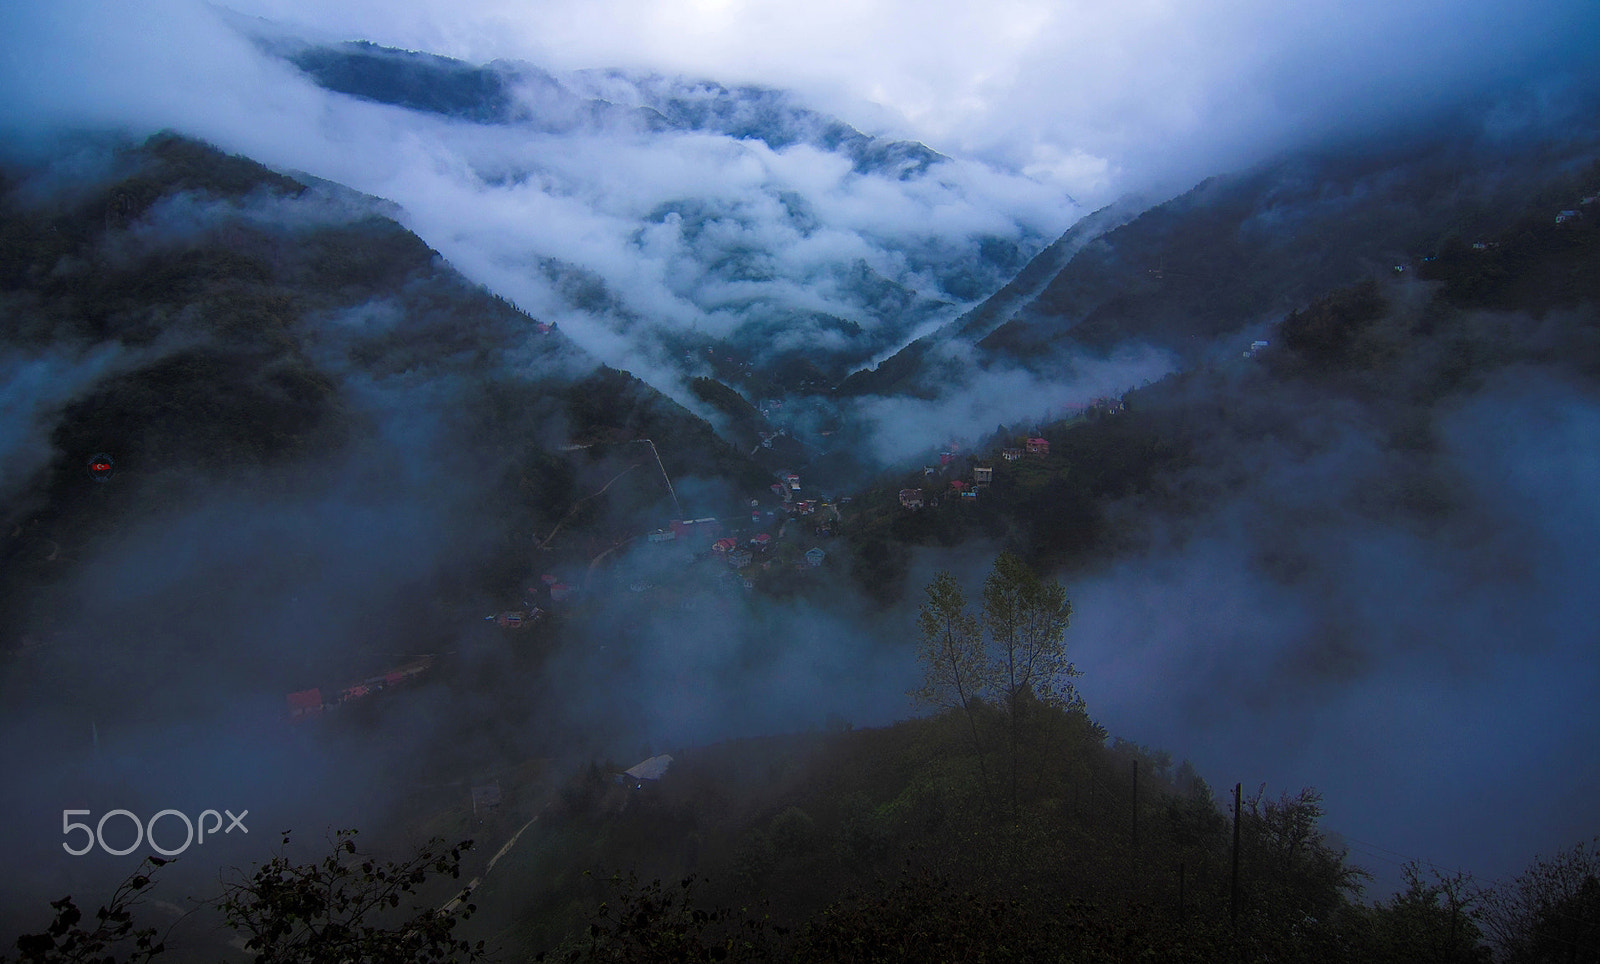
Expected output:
(952, 655)
(1026, 620)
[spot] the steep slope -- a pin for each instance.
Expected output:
(734, 219)
(217, 327)
(918, 369)
(1198, 276)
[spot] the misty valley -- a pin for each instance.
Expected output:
(610, 516)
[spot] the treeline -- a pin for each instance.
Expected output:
(1005, 828)
(1523, 295)
(1053, 509)
(226, 320)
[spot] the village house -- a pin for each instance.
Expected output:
(485, 799)
(703, 529)
(305, 704)
(1038, 446)
(911, 498)
(648, 771)
(511, 620)
(982, 474)
(739, 558)
(1011, 455)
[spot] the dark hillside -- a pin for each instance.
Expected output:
(834, 841)
(226, 324)
(1195, 274)
(1399, 357)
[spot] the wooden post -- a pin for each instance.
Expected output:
(1135, 835)
(1233, 894)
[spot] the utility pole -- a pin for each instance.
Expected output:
(1233, 894)
(664, 478)
(1135, 836)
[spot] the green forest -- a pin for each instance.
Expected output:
(1003, 824)
(1004, 827)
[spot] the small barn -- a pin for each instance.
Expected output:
(305, 704)
(485, 799)
(648, 771)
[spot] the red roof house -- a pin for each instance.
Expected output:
(305, 704)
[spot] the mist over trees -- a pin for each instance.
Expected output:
(1012, 657)
(1311, 448)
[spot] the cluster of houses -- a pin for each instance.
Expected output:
(550, 589)
(1562, 217)
(305, 704)
(983, 473)
(739, 556)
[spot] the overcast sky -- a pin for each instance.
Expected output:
(1097, 96)
(1090, 98)
(1090, 93)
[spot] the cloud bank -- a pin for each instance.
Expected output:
(1427, 669)
(1100, 96)
(640, 241)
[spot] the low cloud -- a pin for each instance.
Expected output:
(903, 427)
(1305, 630)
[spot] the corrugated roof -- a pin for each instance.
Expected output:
(651, 769)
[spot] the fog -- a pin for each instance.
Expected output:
(633, 240)
(1433, 678)
(1409, 632)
